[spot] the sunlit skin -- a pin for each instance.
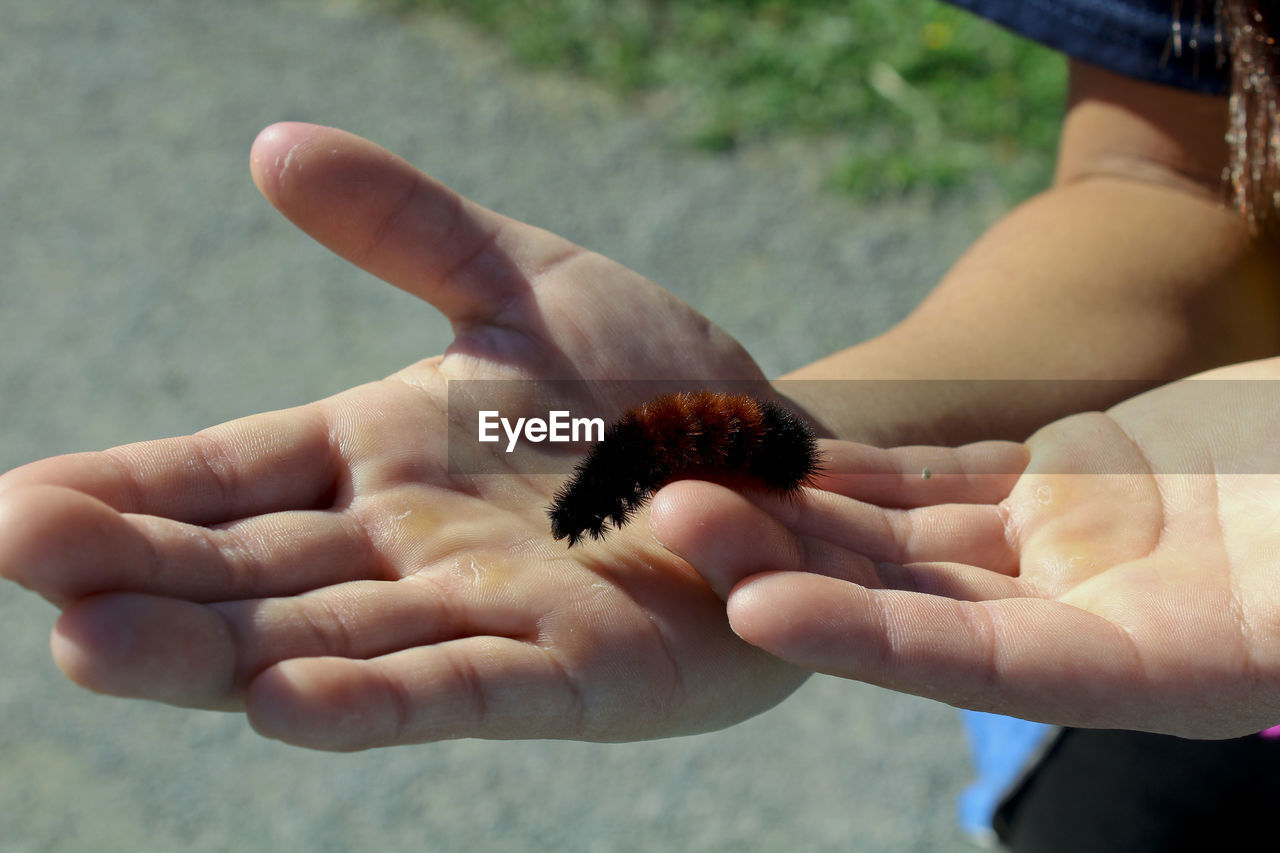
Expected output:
(322, 570)
(1126, 580)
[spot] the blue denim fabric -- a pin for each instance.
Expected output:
(1004, 750)
(1136, 38)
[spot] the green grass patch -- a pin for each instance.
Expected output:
(917, 95)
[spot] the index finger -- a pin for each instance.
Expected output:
(249, 466)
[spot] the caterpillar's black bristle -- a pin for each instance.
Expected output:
(676, 436)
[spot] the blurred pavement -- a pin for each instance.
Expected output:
(146, 290)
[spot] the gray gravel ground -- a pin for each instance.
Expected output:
(147, 290)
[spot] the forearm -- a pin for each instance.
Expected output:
(1129, 272)
(1105, 278)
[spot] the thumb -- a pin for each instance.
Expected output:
(379, 212)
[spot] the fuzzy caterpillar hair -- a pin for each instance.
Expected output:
(678, 436)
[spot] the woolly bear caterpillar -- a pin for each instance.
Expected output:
(678, 436)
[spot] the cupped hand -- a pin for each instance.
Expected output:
(1119, 570)
(324, 569)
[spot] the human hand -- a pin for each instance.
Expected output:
(1117, 571)
(323, 569)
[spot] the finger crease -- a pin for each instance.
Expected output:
(213, 456)
(401, 704)
(332, 628)
(392, 216)
(132, 488)
(465, 671)
(237, 558)
(576, 697)
(557, 262)
(454, 274)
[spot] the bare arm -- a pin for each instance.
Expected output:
(1128, 268)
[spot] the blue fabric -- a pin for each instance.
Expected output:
(1136, 38)
(1003, 749)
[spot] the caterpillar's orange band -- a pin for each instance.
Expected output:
(679, 436)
